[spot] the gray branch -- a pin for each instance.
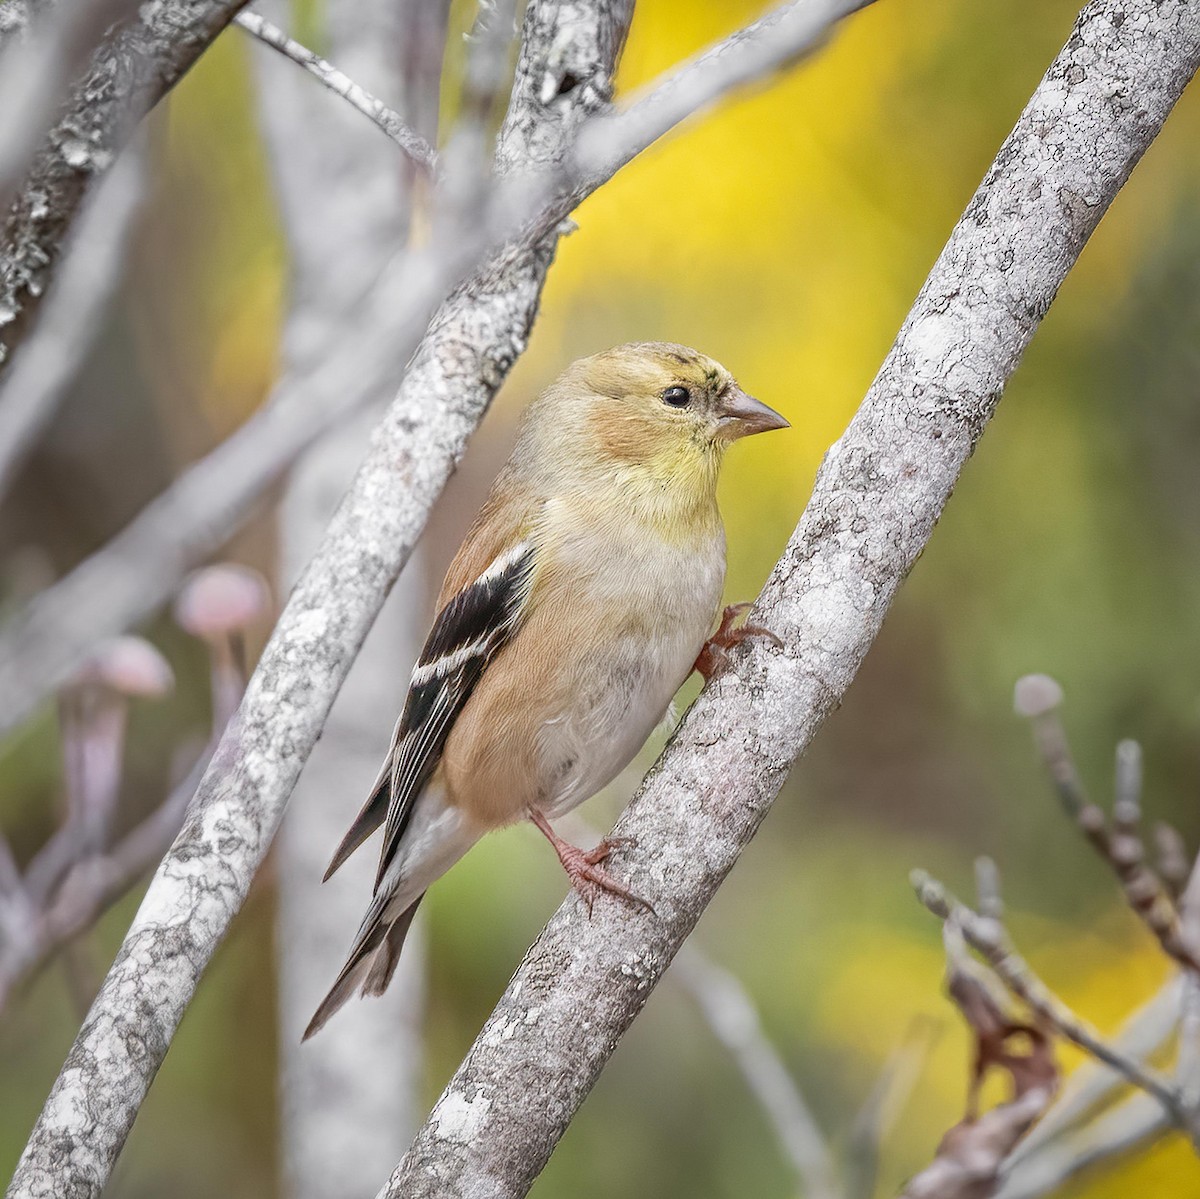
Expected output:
(134, 67)
(141, 566)
(734, 1020)
(351, 1100)
(877, 496)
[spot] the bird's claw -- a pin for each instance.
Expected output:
(587, 877)
(714, 657)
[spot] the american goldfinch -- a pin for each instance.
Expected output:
(580, 600)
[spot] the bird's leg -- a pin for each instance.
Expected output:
(583, 865)
(714, 657)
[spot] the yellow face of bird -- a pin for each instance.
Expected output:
(666, 408)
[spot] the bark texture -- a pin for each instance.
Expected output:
(136, 65)
(878, 494)
(202, 882)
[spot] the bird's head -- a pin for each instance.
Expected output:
(654, 410)
(648, 395)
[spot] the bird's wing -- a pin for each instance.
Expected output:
(472, 627)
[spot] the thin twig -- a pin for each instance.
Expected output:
(991, 940)
(1093, 1084)
(733, 1018)
(374, 109)
(878, 1113)
(1119, 844)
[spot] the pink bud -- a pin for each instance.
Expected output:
(1036, 694)
(128, 665)
(221, 599)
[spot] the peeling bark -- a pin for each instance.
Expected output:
(877, 496)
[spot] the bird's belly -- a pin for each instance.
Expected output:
(650, 623)
(625, 695)
(564, 708)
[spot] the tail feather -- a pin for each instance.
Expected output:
(387, 956)
(352, 973)
(372, 961)
(365, 823)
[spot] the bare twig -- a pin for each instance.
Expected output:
(969, 1157)
(1171, 854)
(374, 109)
(878, 1113)
(77, 875)
(137, 63)
(92, 884)
(1120, 844)
(989, 938)
(1131, 1125)
(1142, 1035)
(1067, 1146)
(731, 1014)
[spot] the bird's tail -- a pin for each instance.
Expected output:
(372, 961)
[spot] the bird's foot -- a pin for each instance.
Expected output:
(583, 868)
(714, 657)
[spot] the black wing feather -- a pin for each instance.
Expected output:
(467, 634)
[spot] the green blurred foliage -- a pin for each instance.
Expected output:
(786, 234)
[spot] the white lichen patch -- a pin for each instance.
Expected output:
(459, 1119)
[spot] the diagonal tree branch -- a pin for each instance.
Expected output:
(877, 497)
(374, 109)
(141, 566)
(135, 66)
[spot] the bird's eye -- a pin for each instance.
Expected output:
(677, 397)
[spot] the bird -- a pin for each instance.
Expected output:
(578, 603)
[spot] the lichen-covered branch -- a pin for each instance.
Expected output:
(877, 497)
(136, 65)
(46, 362)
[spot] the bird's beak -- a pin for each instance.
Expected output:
(741, 414)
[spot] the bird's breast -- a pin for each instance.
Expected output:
(616, 620)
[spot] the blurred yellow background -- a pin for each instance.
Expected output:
(785, 234)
